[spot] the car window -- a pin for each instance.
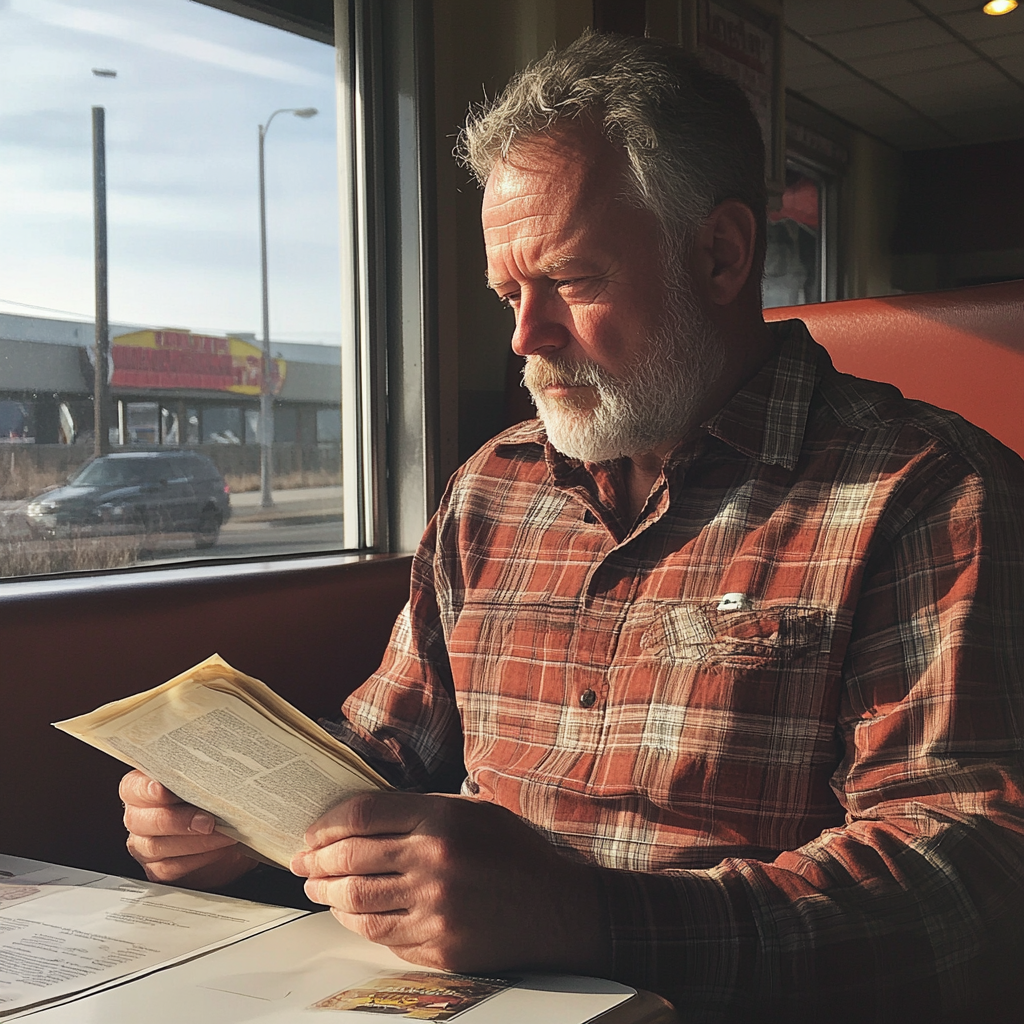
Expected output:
(104, 474)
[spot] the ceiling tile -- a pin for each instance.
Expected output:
(973, 87)
(975, 25)
(798, 54)
(909, 133)
(858, 97)
(814, 17)
(818, 76)
(1015, 66)
(884, 39)
(947, 55)
(944, 7)
(1010, 45)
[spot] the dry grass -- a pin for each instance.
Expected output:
(285, 481)
(21, 480)
(39, 557)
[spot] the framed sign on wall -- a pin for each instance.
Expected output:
(743, 41)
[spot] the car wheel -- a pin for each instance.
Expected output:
(208, 528)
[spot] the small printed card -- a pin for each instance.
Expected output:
(415, 995)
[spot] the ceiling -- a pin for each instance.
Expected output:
(917, 74)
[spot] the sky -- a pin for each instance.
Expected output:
(182, 116)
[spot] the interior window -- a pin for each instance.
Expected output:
(795, 261)
(191, 97)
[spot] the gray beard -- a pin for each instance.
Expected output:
(653, 402)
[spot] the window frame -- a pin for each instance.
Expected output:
(390, 401)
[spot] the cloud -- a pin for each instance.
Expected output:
(177, 43)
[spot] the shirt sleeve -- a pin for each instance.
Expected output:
(914, 908)
(403, 719)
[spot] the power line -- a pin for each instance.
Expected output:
(46, 309)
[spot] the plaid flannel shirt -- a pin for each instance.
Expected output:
(782, 711)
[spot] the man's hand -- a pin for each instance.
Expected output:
(174, 841)
(455, 883)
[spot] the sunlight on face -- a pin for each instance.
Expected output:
(652, 401)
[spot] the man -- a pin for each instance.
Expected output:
(723, 654)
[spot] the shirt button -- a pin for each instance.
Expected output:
(588, 698)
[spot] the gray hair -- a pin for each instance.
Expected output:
(688, 133)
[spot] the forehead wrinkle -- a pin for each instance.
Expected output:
(527, 226)
(546, 269)
(510, 197)
(552, 247)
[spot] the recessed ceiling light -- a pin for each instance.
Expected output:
(1000, 6)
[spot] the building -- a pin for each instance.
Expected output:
(167, 386)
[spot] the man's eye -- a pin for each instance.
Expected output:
(509, 301)
(575, 285)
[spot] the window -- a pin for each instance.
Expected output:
(184, 88)
(797, 262)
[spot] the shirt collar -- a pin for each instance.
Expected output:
(765, 419)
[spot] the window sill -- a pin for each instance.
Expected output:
(197, 573)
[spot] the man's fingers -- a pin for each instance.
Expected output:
(178, 820)
(142, 791)
(371, 814)
(174, 841)
(361, 894)
(173, 869)
(147, 849)
(385, 929)
(377, 855)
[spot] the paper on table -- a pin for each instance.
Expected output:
(59, 940)
(274, 978)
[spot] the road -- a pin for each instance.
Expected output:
(243, 540)
(302, 519)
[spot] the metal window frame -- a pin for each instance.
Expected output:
(389, 348)
(828, 183)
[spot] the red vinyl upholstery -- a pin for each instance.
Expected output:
(961, 350)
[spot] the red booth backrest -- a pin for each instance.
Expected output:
(961, 350)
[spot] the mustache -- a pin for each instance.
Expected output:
(541, 372)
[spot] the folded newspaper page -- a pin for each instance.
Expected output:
(227, 743)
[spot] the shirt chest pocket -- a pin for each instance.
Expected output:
(760, 638)
(741, 713)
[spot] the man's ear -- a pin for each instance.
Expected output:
(724, 251)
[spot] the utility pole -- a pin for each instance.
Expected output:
(102, 347)
(266, 395)
(266, 391)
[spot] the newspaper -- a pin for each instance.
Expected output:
(227, 743)
(65, 932)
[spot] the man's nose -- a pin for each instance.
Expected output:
(539, 329)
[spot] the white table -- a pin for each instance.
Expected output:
(275, 976)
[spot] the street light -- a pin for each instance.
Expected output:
(100, 390)
(266, 397)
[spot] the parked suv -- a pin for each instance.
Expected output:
(137, 492)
